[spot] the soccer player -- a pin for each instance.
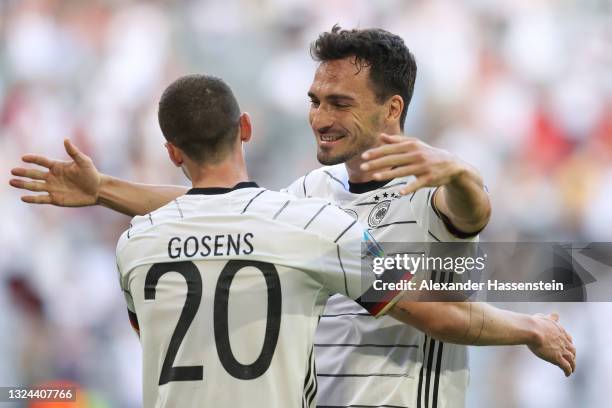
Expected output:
(404, 190)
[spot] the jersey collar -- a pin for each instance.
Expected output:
(221, 190)
(360, 188)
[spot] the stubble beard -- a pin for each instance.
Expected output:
(326, 158)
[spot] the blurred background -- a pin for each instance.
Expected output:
(521, 89)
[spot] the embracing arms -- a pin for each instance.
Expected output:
(78, 183)
(480, 324)
(460, 197)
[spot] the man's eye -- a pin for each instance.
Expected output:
(314, 103)
(341, 105)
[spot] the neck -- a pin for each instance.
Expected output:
(227, 173)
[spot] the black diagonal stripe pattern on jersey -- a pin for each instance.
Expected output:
(433, 236)
(311, 399)
(310, 386)
(304, 184)
(394, 223)
(251, 200)
(345, 230)
(440, 351)
(334, 178)
(315, 215)
(281, 209)
(343, 271)
(430, 353)
(431, 348)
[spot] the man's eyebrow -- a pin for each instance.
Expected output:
(332, 97)
(339, 97)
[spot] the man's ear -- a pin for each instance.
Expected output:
(395, 106)
(245, 127)
(175, 154)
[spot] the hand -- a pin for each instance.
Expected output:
(554, 344)
(406, 156)
(73, 183)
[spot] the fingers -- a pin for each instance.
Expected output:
(571, 359)
(392, 160)
(76, 155)
(397, 172)
(37, 199)
(404, 146)
(40, 160)
(564, 365)
(29, 173)
(414, 186)
(554, 316)
(28, 185)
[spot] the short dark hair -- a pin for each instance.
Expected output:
(392, 65)
(200, 115)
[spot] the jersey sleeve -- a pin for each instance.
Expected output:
(439, 227)
(347, 269)
(124, 283)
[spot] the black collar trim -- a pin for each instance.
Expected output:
(221, 190)
(360, 188)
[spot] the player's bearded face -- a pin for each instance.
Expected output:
(344, 114)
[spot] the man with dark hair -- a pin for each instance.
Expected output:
(404, 190)
(201, 116)
(392, 66)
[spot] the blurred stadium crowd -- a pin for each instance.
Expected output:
(520, 89)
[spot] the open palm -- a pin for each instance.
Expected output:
(73, 183)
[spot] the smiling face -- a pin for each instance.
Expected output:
(345, 116)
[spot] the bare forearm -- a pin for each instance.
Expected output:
(486, 325)
(481, 324)
(464, 201)
(135, 198)
(468, 323)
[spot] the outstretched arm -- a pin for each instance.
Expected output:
(135, 198)
(481, 324)
(460, 197)
(78, 183)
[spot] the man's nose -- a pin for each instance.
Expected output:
(321, 121)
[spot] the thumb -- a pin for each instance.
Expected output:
(554, 317)
(74, 152)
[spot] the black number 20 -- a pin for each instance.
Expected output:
(194, 295)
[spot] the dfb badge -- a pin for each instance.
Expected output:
(378, 213)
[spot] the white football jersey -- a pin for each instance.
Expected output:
(362, 361)
(226, 287)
